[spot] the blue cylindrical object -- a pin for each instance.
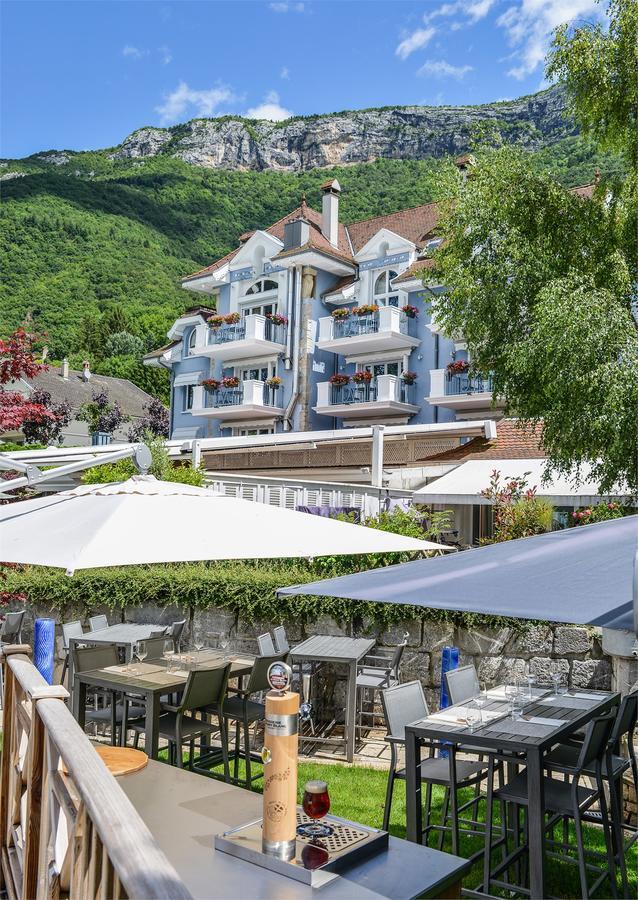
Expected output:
(449, 660)
(44, 647)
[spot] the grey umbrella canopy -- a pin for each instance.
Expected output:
(586, 576)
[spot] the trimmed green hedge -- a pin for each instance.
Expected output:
(245, 588)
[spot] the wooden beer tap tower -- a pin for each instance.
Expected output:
(280, 756)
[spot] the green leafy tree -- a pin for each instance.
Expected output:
(123, 343)
(600, 69)
(517, 511)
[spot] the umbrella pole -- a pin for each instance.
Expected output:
(635, 600)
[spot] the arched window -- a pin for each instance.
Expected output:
(384, 294)
(192, 339)
(261, 298)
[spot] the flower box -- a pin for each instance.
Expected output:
(460, 367)
(339, 380)
(341, 313)
(274, 382)
(230, 381)
(216, 321)
(411, 311)
(277, 318)
(362, 377)
(211, 384)
(365, 310)
(409, 377)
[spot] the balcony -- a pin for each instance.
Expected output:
(462, 392)
(252, 336)
(387, 329)
(251, 400)
(385, 398)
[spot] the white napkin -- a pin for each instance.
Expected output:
(116, 670)
(583, 696)
(539, 720)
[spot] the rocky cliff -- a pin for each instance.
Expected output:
(338, 139)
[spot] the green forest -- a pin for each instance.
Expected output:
(93, 250)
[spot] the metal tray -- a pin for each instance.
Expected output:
(314, 863)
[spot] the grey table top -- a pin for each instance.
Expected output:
(333, 648)
(124, 633)
(569, 711)
(184, 811)
(152, 676)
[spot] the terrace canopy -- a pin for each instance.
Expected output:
(586, 575)
(144, 520)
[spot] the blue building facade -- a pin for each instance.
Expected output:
(312, 324)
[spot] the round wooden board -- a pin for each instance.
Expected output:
(120, 760)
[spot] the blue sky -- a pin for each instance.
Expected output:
(84, 74)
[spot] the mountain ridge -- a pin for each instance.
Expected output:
(345, 138)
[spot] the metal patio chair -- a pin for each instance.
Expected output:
(175, 632)
(281, 641)
(97, 623)
(462, 684)
(10, 633)
(69, 630)
(406, 703)
(266, 645)
(377, 673)
(113, 713)
(204, 691)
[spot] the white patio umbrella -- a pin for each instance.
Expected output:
(144, 520)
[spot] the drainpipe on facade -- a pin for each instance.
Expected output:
(294, 350)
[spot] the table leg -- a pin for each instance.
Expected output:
(151, 735)
(414, 808)
(536, 822)
(79, 703)
(351, 711)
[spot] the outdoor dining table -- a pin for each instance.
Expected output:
(336, 649)
(570, 710)
(184, 811)
(150, 680)
(124, 635)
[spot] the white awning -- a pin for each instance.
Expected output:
(187, 378)
(463, 485)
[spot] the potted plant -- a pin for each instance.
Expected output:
(362, 377)
(366, 310)
(274, 382)
(341, 313)
(339, 380)
(232, 318)
(216, 321)
(277, 318)
(458, 367)
(411, 311)
(211, 384)
(409, 377)
(230, 381)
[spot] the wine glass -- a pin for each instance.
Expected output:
(141, 651)
(480, 697)
(316, 804)
(224, 641)
(169, 653)
(473, 715)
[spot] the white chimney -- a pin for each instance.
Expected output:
(64, 369)
(330, 211)
(86, 373)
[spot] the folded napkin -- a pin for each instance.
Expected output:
(458, 715)
(539, 720)
(162, 677)
(569, 701)
(116, 670)
(583, 695)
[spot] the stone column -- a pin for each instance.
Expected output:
(306, 346)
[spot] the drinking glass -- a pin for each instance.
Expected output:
(531, 681)
(168, 654)
(557, 678)
(481, 697)
(511, 690)
(516, 707)
(224, 641)
(473, 715)
(316, 804)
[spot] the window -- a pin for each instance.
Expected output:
(256, 373)
(247, 432)
(384, 295)
(188, 397)
(266, 306)
(192, 338)
(389, 368)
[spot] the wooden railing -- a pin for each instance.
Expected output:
(67, 829)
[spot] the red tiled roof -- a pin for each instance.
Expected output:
(585, 190)
(208, 270)
(413, 224)
(512, 442)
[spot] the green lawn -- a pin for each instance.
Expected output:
(358, 793)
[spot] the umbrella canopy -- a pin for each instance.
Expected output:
(143, 520)
(582, 575)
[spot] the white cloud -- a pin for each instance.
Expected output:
(270, 109)
(529, 26)
(442, 69)
(473, 10)
(165, 54)
(285, 74)
(133, 52)
(415, 41)
(185, 101)
(287, 7)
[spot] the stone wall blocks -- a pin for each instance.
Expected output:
(534, 641)
(569, 640)
(592, 673)
(542, 667)
(482, 641)
(437, 635)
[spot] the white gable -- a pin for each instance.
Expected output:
(384, 243)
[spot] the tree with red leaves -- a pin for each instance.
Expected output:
(18, 361)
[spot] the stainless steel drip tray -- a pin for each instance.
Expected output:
(315, 862)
